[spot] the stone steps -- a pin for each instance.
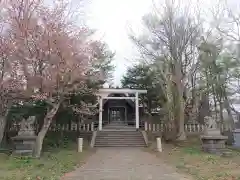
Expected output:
(118, 140)
(121, 138)
(119, 145)
(117, 127)
(128, 136)
(114, 132)
(112, 126)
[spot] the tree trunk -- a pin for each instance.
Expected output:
(181, 130)
(3, 122)
(181, 136)
(42, 133)
(78, 126)
(170, 135)
(229, 132)
(38, 145)
(204, 108)
(229, 111)
(215, 106)
(221, 112)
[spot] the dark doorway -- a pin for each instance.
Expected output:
(117, 114)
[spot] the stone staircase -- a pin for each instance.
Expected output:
(118, 126)
(119, 135)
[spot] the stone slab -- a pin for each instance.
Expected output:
(212, 132)
(236, 135)
(23, 145)
(23, 152)
(236, 131)
(20, 138)
(213, 137)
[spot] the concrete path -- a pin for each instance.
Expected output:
(124, 164)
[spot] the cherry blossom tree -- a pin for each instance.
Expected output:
(10, 84)
(50, 55)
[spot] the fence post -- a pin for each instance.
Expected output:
(74, 127)
(198, 128)
(162, 127)
(154, 127)
(159, 144)
(149, 127)
(145, 126)
(80, 144)
(92, 126)
(194, 127)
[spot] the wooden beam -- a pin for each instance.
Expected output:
(122, 91)
(133, 98)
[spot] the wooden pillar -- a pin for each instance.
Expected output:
(137, 110)
(100, 114)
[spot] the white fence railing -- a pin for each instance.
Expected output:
(88, 127)
(73, 127)
(190, 128)
(154, 127)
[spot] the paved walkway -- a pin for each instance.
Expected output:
(124, 164)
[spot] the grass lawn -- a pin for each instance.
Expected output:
(51, 166)
(188, 158)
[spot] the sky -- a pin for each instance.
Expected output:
(113, 18)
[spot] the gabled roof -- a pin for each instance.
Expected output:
(129, 101)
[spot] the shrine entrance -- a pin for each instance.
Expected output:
(117, 114)
(114, 111)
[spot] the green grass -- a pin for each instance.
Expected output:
(51, 166)
(188, 158)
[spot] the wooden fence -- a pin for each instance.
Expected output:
(189, 128)
(151, 127)
(87, 127)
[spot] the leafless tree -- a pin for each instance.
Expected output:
(172, 43)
